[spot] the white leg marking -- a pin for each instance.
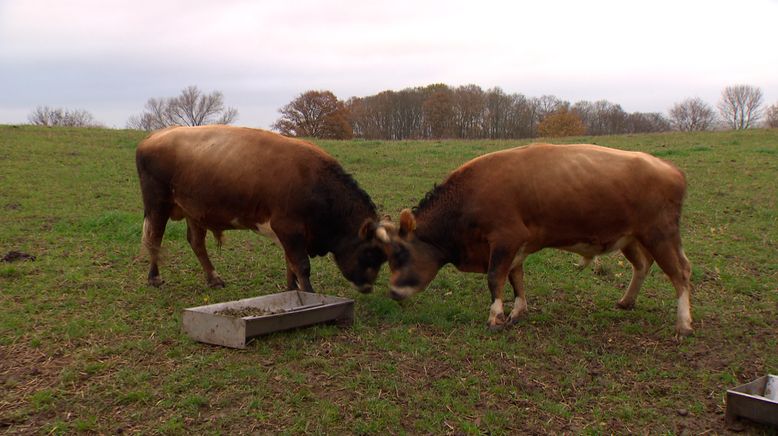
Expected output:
(495, 310)
(145, 239)
(684, 322)
(403, 292)
(519, 307)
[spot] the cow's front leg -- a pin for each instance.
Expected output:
(499, 265)
(298, 272)
(291, 278)
(520, 303)
(298, 266)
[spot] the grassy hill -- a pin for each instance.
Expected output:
(85, 345)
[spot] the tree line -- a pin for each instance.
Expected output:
(192, 107)
(54, 116)
(440, 111)
(469, 112)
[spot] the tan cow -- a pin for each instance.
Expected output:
(220, 178)
(497, 209)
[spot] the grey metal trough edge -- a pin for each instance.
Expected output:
(298, 309)
(752, 401)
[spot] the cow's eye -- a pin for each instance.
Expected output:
(400, 255)
(372, 257)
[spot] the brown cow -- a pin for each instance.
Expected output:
(497, 209)
(220, 178)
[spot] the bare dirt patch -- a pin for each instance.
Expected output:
(23, 372)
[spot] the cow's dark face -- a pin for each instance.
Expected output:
(413, 262)
(360, 262)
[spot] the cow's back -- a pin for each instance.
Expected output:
(555, 190)
(230, 177)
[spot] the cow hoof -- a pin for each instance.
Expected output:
(156, 281)
(497, 324)
(625, 305)
(215, 283)
(683, 332)
(513, 320)
(495, 327)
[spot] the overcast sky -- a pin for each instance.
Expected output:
(109, 57)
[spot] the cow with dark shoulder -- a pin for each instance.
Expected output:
(497, 209)
(220, 178)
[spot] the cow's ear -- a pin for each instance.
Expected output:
(367, 231)
(407, 222)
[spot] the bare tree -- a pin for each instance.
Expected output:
(772, 116)
(191, 108)
(468, 109)
(317, 114)
(647, 122)
(496, 113)
(521, 118)
(155, 116)
(47, 116)
(438, 111)
(741, 106)
(692, 115)
(602, 117)
(548, 104)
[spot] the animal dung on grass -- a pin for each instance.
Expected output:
(16, 256)
(234, 323)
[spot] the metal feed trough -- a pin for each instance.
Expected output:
(757, 401)
(233, 323)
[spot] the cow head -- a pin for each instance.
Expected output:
(413, 262)
(360, 259)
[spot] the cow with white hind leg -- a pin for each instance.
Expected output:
(497, 209)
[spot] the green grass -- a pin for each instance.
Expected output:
(86, 346)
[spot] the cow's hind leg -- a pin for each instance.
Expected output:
(500, 260)
(516, 278)
(195, 234)
(670, 257)
(154, 224)
(157, 208)
(641, 262)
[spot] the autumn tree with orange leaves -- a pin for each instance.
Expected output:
(561, 123)
(316, 114)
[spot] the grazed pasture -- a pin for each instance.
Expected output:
(86, 346)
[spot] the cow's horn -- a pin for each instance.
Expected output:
(382, 235)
